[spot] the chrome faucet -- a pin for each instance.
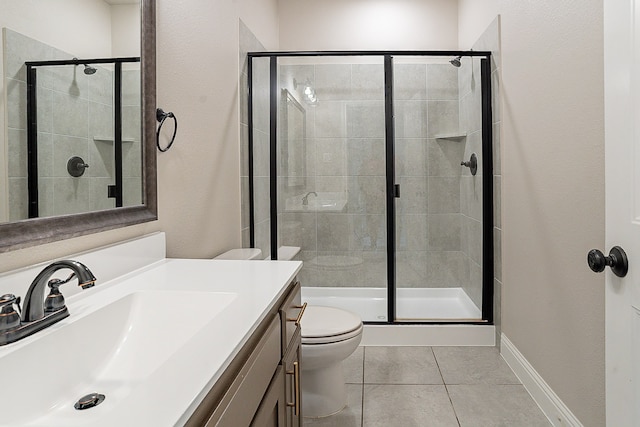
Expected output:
(305, 198)
(38, 312)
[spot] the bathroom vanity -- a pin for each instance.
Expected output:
(261, 386)
(168, 342)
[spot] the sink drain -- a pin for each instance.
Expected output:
(89, 401)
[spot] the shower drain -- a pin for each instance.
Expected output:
(89, 401)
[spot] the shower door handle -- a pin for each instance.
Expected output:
(396, 191)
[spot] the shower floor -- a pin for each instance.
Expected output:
(412, 304)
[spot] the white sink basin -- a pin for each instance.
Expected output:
(126, 342)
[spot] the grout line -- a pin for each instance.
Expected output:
(445, 386)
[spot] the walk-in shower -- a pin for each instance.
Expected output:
(363, 160)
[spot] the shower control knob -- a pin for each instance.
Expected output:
(472, 164)
(617, 260)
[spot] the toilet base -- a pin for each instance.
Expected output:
(324, 391)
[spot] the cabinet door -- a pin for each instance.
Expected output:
(271, 412)
(291, 314)
(293, 391)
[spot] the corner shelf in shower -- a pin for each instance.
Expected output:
(107, 139)
(458, 135)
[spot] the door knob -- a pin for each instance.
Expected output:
(617, 260)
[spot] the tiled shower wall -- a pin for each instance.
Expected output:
(75, 118)
(471, 186)
(490, 41)
(249, 43)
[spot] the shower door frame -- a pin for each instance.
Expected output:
(391, 187)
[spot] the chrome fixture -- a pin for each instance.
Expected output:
(305, 198)
(456, 61)
(38, 313)
(309, 92)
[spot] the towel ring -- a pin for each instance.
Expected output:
(161, 116)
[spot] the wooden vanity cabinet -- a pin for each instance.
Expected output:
(290, 315)
(292, 390)
(261, 386)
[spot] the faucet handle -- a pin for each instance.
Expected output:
(9, 319)
(55, 301)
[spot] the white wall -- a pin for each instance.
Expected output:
(368, 24)
(78, 26)
(198, 73)
(125, 30)
(553, 191)
(474, 16)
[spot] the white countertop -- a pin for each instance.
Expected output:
(170, 393)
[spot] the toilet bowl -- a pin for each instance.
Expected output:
(329, 336)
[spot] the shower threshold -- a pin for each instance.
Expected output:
(446, 310)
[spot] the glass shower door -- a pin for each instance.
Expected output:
(438, 216)
(331, 179)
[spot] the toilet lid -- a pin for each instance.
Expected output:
(320, 323)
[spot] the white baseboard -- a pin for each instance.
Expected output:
(551, 405)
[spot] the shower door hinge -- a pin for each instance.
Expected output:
(396, 191)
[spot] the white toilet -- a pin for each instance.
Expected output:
(329, 335)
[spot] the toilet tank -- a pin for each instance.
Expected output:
(241, 254)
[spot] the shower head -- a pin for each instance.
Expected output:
(88, 70)
(456, 61)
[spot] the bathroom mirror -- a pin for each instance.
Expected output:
(135, 34)
(293, 145)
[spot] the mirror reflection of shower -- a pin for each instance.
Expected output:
(90, 115)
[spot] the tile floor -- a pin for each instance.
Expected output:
(432, 386)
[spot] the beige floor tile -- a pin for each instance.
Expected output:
(400, 365)
(473, 365)
(351, 416)
(353, 367)
(407, 406)
(488, 405)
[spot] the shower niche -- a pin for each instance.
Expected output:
(373, 187)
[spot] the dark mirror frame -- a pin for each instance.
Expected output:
(32, 232)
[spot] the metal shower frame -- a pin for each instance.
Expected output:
(391, 186)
